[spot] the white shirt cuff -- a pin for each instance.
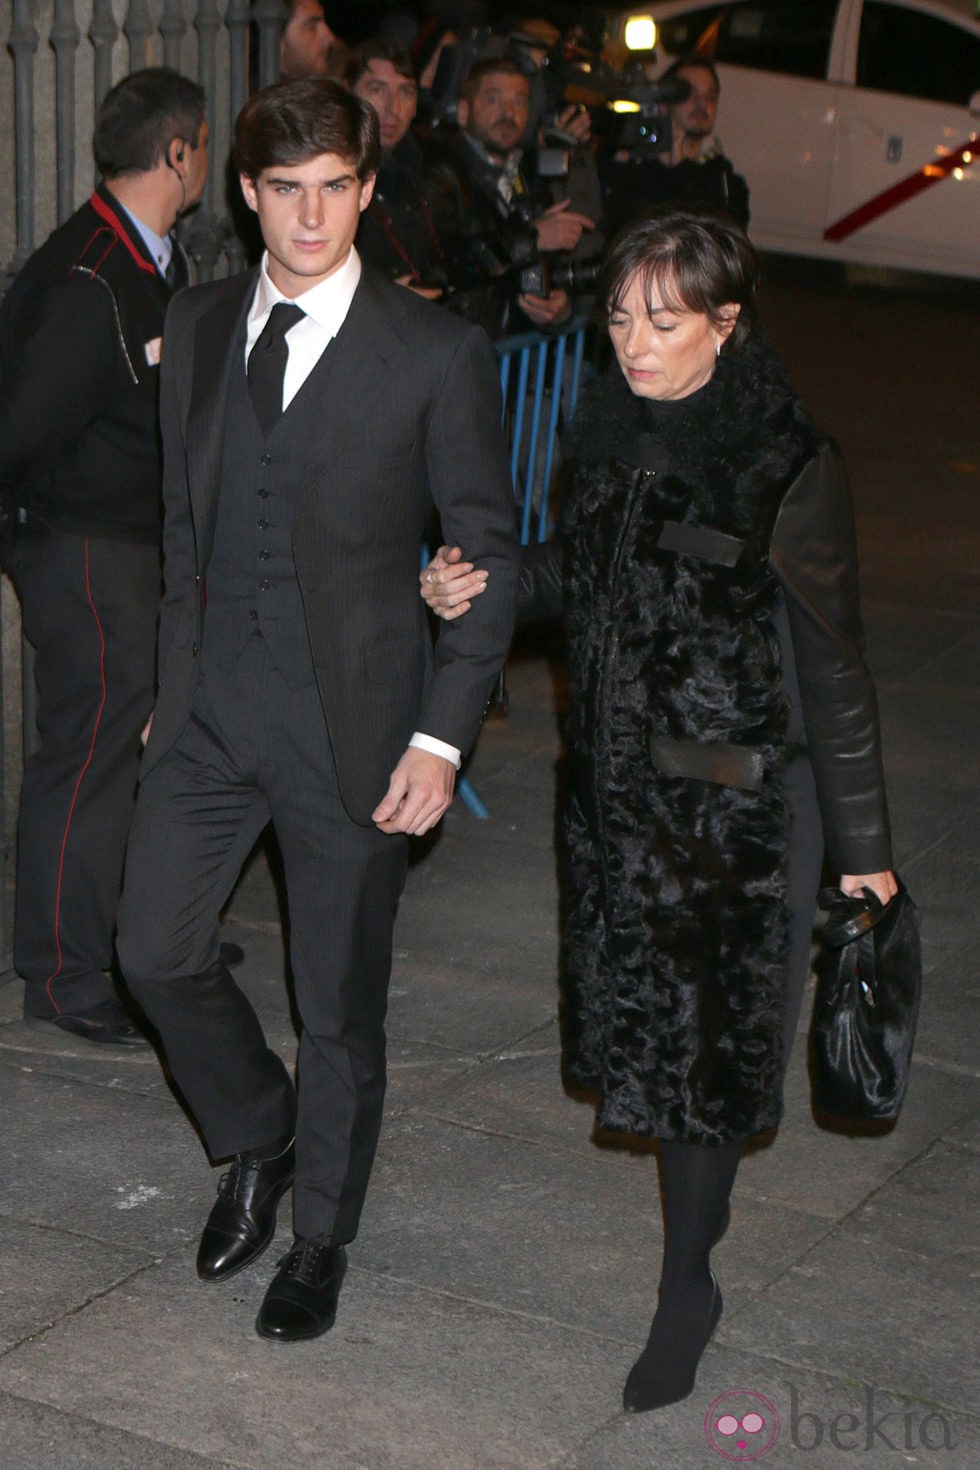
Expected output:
(437, 747)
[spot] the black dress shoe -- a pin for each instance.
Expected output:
(658, 1378)
(243, 1220)
(231, 954)
(302, 1298)
(105, 1024)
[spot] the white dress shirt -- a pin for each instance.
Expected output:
(326, 306)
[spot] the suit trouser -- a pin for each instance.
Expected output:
(253, 749)
(89, 609)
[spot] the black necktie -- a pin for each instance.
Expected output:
(267, 363)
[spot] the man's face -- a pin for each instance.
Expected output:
(309, 213)
(497, 115)
(196, 160)
(306, 42)
(394, 98)
(695, 118)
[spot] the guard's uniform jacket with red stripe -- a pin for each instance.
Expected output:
(80, 333)
(80, 474)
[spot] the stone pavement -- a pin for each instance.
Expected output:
(505, 1272)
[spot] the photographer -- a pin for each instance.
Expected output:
(559, 136)
(684, 164)
(508, 235)
(404, 230)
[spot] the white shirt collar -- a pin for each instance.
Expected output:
(327, 303)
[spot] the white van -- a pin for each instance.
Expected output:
(855, 122)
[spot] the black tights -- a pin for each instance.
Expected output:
(696, 1181)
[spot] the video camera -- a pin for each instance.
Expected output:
(512, 268)
(634, 116)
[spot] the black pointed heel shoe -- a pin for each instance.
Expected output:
(657, 1379)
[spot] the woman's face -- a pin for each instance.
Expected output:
(663, 352)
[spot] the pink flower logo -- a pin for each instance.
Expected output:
(741, 1425)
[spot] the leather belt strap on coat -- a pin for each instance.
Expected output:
(700, 541)
(725, 765)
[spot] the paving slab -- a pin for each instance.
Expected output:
(929, 1209)
(460, 1008)
(821, 1421)
(50, 1273)
(36, 1437)
(574, 1241)
(407, 1379)
(112, 1166)
(870, 1310)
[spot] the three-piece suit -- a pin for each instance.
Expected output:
(296, 663)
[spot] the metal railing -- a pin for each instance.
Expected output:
(58, 60)
(540, 377)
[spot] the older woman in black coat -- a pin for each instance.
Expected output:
(724, 733)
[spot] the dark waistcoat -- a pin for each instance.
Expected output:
(252, 590)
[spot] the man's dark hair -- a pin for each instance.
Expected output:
(141, 116)
(293, 121)
(488, 68)
(693, 58)
(697, 260)
(361, 56)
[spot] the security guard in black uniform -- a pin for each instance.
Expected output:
(80, 340)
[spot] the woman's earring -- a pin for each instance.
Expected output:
(717, 349)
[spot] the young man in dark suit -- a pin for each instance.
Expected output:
(312, 412)
(80, 336)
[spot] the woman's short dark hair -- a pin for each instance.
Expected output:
(291, 122)
(141, 115)
(697, 260)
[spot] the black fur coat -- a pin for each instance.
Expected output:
(675, 932)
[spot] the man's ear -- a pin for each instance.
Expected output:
(462, 112)
(367, 190)
(248, 190)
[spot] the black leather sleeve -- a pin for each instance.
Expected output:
(540, 588)
(814, 554)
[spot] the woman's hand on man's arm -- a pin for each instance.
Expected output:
(449, 583)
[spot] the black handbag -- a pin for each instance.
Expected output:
(869, 981)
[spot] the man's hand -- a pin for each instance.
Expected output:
(145, 732)
(428, 293)
(546, 311)
(560, 228)
(449, 583)
(419, 794)
(576, 121)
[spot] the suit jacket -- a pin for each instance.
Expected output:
(411, 420)
(80, 334)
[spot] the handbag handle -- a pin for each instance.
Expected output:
(850, 917)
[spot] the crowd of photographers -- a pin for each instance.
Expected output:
(498, 190)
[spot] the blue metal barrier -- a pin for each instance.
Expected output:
(540, 378)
